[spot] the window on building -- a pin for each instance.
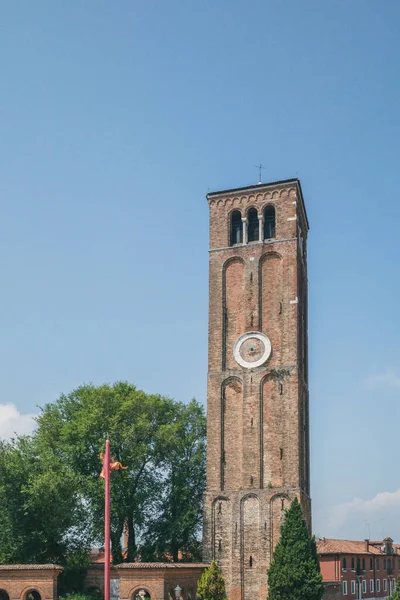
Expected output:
(352, 563)
(252, 226)
(378, 585)
(384, 563)
(377, 564)
(358, 566)
(269, 223)
(353, 587)
(363, 564)
(385, 585)
(394, 584)
(371, 564)
(344, 588)
(371, 585)
(364, 586)
(236, 227)
(344, 564)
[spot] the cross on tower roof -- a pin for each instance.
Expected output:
(259, 167)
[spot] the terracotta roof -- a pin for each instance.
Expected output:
(331, 546)
(29, 567)
(160, 565)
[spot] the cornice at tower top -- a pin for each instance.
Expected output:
(260, 189)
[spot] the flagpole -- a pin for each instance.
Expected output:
(106, 465)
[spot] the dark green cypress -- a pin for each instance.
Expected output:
(294, 573)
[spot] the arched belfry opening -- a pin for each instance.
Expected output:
(252, 225)
(236, 228)
(269, 223)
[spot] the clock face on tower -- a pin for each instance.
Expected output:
(252, 349)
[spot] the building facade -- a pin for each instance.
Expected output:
(352, 570)
(257, 400)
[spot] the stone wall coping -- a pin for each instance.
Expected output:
(48, 567)
(160, 565)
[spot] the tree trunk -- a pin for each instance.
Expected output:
(116, 549)
(131, 550)
(175, 552)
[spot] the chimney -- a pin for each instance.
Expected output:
(366, 545)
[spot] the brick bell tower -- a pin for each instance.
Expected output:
(258, 430)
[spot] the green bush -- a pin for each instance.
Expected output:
(83, 596)
(93, 595)
(212, 585)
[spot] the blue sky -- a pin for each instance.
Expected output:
(116, 118)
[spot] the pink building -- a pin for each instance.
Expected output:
(352, 570)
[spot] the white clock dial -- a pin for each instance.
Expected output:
(252, 349)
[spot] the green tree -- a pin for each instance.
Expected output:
(396, 594)
(144, 430)
(294, 571)
(174, 530)
(40, 502)
(212, 585)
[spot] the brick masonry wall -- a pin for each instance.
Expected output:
(257, 452)
(18, 580)
(157, 579)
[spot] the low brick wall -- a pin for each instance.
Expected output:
(158, 579)
(18, 580)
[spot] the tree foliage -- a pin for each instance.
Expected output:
(40, 501)
(162, 443)
(294, 572)
(172, 532)
(212, 585)
(396, 594)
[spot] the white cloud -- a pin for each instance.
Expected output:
(387, 379)
(12, 421)
(375, 518)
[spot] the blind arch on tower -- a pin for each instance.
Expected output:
(270, 299)
(279, 503)
(272, 434)
(221, 531)
(233, 300)
(250, 513)
(231, 434)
